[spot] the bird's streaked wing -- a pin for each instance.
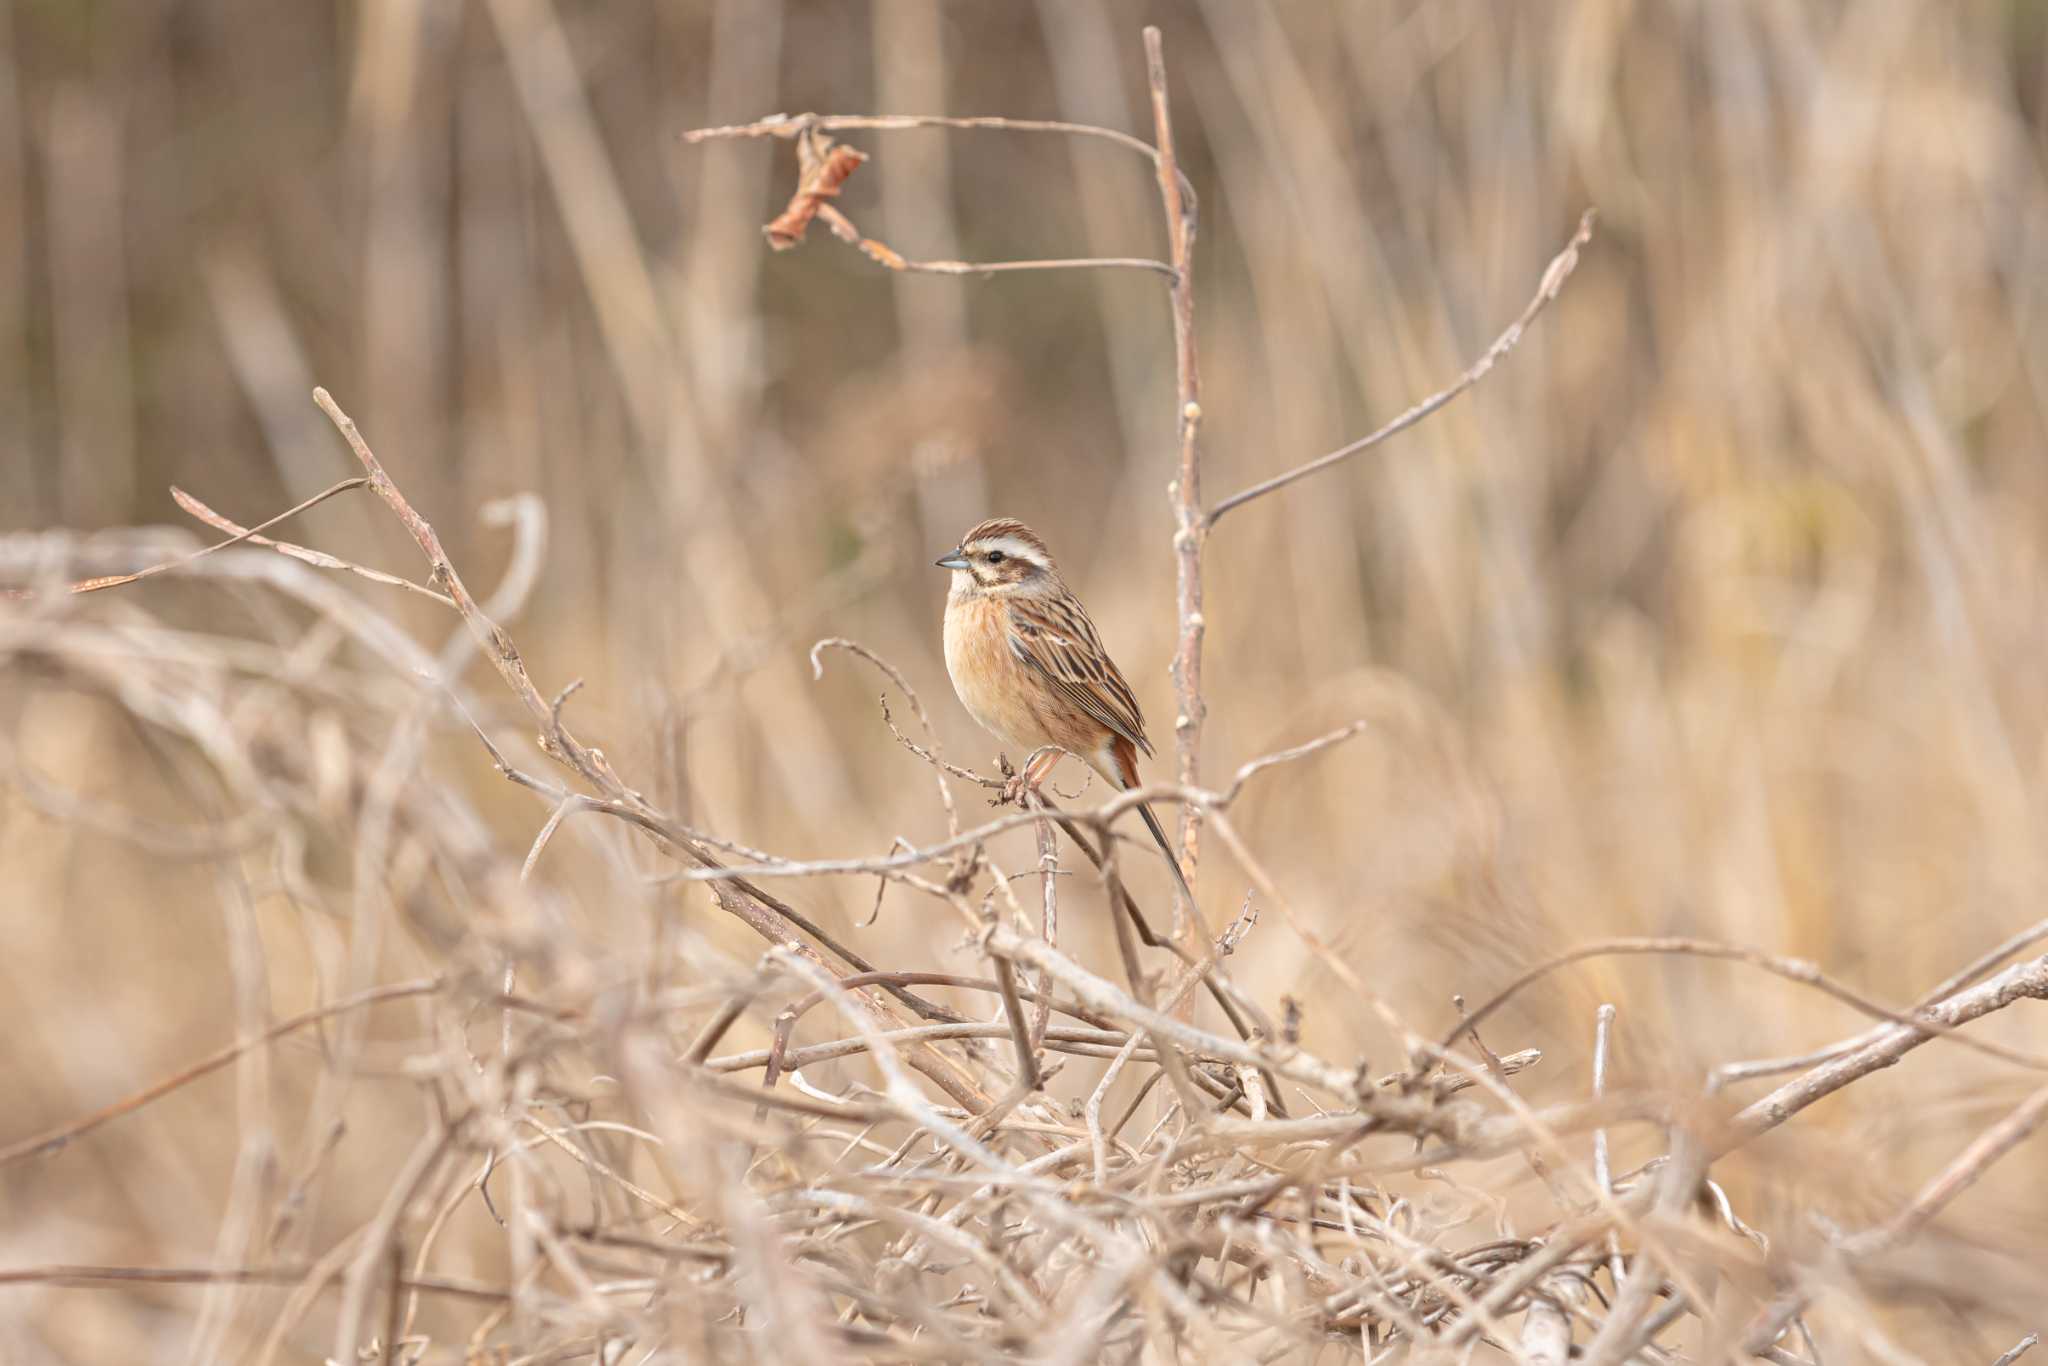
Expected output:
(1055, 637)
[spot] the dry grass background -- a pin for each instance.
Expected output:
(1717, 610)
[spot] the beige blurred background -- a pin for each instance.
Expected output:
(1717, 610)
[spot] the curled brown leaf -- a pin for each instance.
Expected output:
(822, 167)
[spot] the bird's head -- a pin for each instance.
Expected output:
(1000, 556)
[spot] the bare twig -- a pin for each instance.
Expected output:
(104, 1277)
(1792, 969)
(792, 125)
(318, 558)
(1970, 972)
(1994, 1143)
(1602, 1026)
(52, 1139)
(886, 256)
(1049, 916)
(823, 167)
(1554, 276)
(932, 756)
(1603, 1174)
(1185, 491)
(2017, 1350)
(1020, 1029)
(121, 580)
(2021, 981)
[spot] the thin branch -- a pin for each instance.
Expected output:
(823, 168)
(1970, 972)
(318, 558)
(714, 1028)
(568, 806)
(1028, 1076)
(1603, 1024)
(1100, 819)
(1099, 994)
(1994, 1143)
(1603, 1173)
(1554, 277)
(1792, 969)
(1252, 767)
(1049, 916)
(1093, 1043)
(2017, 1350)
(932, 756)
(2021, 981)
(121, 580)
(886, 256)
(792, 125)
(103, 1277)
(1185, 491)
(52, 1139)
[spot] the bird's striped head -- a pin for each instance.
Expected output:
(1000, 555)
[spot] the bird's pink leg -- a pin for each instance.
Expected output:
(1036, 770)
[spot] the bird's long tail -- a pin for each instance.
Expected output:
(1123, 771)
(1125, 774)
(1159, 836)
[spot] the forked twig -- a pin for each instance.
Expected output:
(1554, 276)
(122, 580)
(318, 558)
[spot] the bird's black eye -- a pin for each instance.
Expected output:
(994, 557)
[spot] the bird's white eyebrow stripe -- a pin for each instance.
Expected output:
(1018, 548)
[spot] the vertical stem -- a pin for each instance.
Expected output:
(1603, 1175)
(1049, 926)
(1186, 489)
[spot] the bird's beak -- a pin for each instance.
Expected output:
(951, 560)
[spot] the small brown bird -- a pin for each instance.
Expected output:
(1028, 665)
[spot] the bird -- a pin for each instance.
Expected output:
(1029, 666)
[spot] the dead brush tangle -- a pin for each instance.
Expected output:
(510, 884)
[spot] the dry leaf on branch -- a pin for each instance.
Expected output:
(822, 167)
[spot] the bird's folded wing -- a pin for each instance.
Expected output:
(1057, 639)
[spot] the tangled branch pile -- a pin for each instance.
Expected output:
(1038, 1161)
(624, 1095)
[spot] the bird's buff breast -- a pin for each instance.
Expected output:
(987, 676)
